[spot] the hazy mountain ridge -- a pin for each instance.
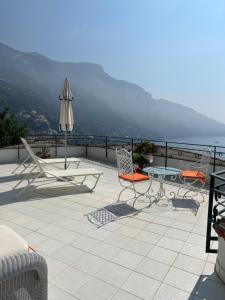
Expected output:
(103, 105)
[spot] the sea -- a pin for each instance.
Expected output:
(218, 141)
(214, 141)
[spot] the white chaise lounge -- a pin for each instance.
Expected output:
(68, 176)
(29, 161)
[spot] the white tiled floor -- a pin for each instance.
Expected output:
(157, 254)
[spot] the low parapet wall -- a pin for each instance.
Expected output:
(13, 155)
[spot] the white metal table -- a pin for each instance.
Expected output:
(161, 173)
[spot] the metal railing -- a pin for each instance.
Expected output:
(166, 149)
(216, 207)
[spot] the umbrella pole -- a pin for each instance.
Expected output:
(65, 165)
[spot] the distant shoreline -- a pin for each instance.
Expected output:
(218, 141)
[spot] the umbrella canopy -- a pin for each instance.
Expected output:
(66, 119)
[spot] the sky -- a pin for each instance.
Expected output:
(174, 49)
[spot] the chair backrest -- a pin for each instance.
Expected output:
(204, 162)
(124, 161)
(33, 156)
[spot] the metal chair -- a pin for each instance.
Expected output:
(128, 177)
(194, 175)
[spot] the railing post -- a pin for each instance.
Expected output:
(214, 159)
(166, 150)
(132, 145)
(86, 147)
(210, 207)
(106, 146)
(56, 146)
(18, 150)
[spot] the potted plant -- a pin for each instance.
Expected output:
(147, 149)
(140, 161)
(44, 153)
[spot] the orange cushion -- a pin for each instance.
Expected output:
(194, 175)
(134, 177)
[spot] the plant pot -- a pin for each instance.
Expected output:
(45, 156)
(149, 157)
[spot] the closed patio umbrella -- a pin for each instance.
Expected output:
(66, 119)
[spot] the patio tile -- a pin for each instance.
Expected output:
(89, 263)
(36, 224)
(183, 225)
(196, 239)
(66, 236)
(163, 255)
(22, 219)
(189, 264)
(209, 271)
(156, 228)
(74, 225)
(21, 230)
(118, 240)
(98, 234)
(171, 244)
(181, 279)
(112, 226)
(177, 234)
(8, 215)
(162, 220)
(212, 258)
(54, 267)
(148, 237)
(136, 223)
(122, 295)
(50, 246)
(35, 238)
(70, 280)
(167, 292)
(95, 289)
(127, 259)
(141, 286)
(105, 251)
(128, 231)
(51, 217)
(139, 247)
(50, 230)
(198, 229)
(113, 274)
(64, 211)
(68, 254)
(194, 250)
(54, 293)
(152, 268)
(85, 243)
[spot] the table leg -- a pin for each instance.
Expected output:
(161, 191)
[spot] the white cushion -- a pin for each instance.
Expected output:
(10, 242)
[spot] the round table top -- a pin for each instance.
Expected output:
(162, 171)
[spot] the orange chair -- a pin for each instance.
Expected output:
(194, 175)
(128, 177)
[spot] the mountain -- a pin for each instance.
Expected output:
(30, 84)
